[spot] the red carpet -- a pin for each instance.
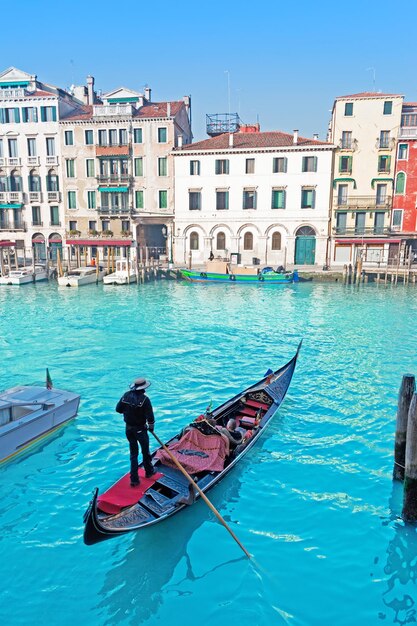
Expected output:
(121, 494)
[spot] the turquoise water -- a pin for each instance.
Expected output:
(314, 502)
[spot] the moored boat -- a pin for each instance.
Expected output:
(29, 413)
(80, 276)
(25, 275)
(224, 272)
(125, 273)
(201, 452)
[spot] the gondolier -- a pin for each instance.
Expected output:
(138, 414)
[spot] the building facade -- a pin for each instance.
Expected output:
(262, 197)
(364, 129)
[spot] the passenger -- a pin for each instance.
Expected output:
(234, 436)
(137, 412)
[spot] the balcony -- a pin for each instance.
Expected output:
(385, 144)
(105, 210)
(407, 132)
(13, 162)
(58, 224)
(361, 231)
(51, 160)
(15, 197)
(122, 179)
(33, 160)
(363, 202)
(12, 94)
(347, 144)
(113, 110)
(35, 196)
(54, 196)
(13, 226)
(37, 223)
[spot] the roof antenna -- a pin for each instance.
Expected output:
(372, 69)
(228, 90)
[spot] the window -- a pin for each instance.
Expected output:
(69, 138)
(54, 214)
(72, 200)
(276, 241)
(125, 226)
(384, 139)
(400, 183)
(137, 135)
(34, 181)
(89, 168)
(384, 163)
(138, 166)
(48, 114)
(403, 151)
(379, 218)
(31, 147)
(52, 183)
(397, 217)
(309, 164)
(36, 216)
(222, 166)
(91, 199)
(360, 218)
(345, 164)
(105, 225)
(346, 140)
(12, 143)
(194, 200)
(381, 194)
(222, 200)
(342, 195)
(50, 146)
(387, 107)
(162, 135)
(92, 225)
(341, 223)
(249, 199)
(123, 137)
(102, 137)
(348, 109)
(113, 141)
(1, 147)
(248, 241)
(89, 137)
(30, 114)
(221, 241)
(278, 199)
(195, 168)
(15, 181)
(162, 166)
(409, 119)
(139, 199)
(279, 165)
(308, 198)
(163, 199)
(70, 168)
(250, 166)
(193, 241)
(8, 116)
(73, 225)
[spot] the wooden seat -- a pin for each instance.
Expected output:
(248, 411)
(257, 405)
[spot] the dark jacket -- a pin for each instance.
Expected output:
(136, 408)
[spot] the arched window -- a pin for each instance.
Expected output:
(400, 183)
(276, 241)
(15, 181)
(220, 241)
(305, 231)
(34, 181)
(52, 183)
(193, 241)
(3, 181)
(248, 241)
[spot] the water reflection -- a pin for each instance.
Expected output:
(135, 585)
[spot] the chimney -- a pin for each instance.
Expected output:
(295, 138)
(90, 89)
(316, 136)
(148, 92)
(179, 141)
(230, 140)
(168, 109)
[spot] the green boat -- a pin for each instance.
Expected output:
(237, 274)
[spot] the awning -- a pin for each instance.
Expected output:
(362, 242)
(38, 240)
(98, 243)
(11, 205)
(381, 180)
(55, 240)
(7, 244)
(344, 180)
(113, 189)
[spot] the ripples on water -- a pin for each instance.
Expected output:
(314, 502)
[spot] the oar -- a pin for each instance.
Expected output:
(202, 494)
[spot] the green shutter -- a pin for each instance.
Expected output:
(53, 114)
(163, 200)
(139, 199)
(43, 114)
(315, 164)
(400, 183)
(17, 115)
(139, 166)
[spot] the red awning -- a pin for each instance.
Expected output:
(7, 244)
(38, 240)
(55, 240)
(363, 242)
(99, 242)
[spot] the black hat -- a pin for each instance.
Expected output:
(140, 384)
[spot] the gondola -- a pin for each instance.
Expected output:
(122, 509)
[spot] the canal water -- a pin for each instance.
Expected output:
(314, 502)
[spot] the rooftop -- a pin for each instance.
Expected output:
(152, 109)
(370, 94)
(272, 139)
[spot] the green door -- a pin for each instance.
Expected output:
(305, 250)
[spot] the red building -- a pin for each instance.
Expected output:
(404, 210)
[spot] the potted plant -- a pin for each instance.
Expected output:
(126, 233)
(93, 232)
(75, 233)
(107, 233)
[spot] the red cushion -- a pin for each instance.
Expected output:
(257, 405)
(248, 411)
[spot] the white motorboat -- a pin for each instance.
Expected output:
(125, 273)
(81, 276)
(25, 275)
(29, 413)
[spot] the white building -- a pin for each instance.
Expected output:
(263, 196)
(31, 208)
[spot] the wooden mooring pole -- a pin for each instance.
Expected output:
(407, 390)
(409, 513)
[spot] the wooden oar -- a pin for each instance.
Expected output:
(202, 494)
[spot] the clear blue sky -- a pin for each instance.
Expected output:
(285, 61)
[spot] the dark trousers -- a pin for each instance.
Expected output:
(134, 436)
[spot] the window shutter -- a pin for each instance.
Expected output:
(43, 115)
(350, 164)
(2, 116)
(53, 114)
(17, 115)
(315, 164)
(388, 163)
(304, 164)
(313, 199)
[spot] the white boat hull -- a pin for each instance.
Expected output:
(24, 277)
(119, 279)
(82, 279)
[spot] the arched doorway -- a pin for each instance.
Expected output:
(39, 248)
(55, 243)
(305, 246)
